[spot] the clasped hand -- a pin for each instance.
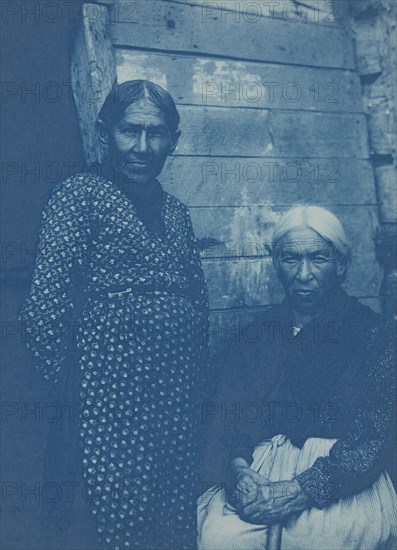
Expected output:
(261, 501)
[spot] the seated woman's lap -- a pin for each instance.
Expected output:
(344, 524)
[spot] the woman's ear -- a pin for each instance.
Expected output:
(102, 133)
(341, 268)
(175, 140)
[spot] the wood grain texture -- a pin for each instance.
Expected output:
(219, 82)
(271, 115)
(261, 133)
(247, 231)
(162, 25)
(93, 72)
(321, 12)
(386, 184)
(208, 181)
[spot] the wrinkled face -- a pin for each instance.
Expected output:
(309, 269)
(140, 142)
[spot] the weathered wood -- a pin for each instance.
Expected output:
(321, 12)
(368, 58)
(372, 23)
(247, 231)
(209, 181)
(107, 3)
(254, 152)
(379, 126)
(260, 133)
(203, 81)
(93, 73)
(386, 181)
(253, 283)
(187, 28)
(241, 283)
(246, 10)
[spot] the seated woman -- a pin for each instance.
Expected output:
(306, 411)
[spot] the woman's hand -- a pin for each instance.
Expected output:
(237, 465)
(261, 501)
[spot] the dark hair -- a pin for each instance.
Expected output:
(131, 91)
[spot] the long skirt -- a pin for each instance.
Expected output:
(366, 521)
(142, 363)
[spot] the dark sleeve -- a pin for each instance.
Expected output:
(265, 389)
(46, 314)
(236, 427)
(242, 447)
(221, 418)
(356, 460)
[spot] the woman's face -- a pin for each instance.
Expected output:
(140, 142)
(309, 269)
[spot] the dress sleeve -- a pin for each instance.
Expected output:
(231, 430)
(357, 459)
(198, 286)
(47, 312)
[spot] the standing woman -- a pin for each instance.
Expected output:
(140, 352)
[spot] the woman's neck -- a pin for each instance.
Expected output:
(302, 318)
(137, 189)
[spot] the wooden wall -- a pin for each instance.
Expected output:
(271, 115)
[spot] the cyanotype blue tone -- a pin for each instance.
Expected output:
(198, 275)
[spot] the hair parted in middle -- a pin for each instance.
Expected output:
(132, 91)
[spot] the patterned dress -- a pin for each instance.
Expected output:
(141, 353)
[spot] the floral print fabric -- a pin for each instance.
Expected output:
(141, 350)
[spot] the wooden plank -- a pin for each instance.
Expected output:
(246, 10)
(253, 283)
(203, 81)
(167, 26)
(322, 12)
(209, 181)
(260, 133)
(247, 231)
(93, 71)
(218, 132)
(241, 283)
(387, 193)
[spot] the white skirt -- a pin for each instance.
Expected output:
(366, 521)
